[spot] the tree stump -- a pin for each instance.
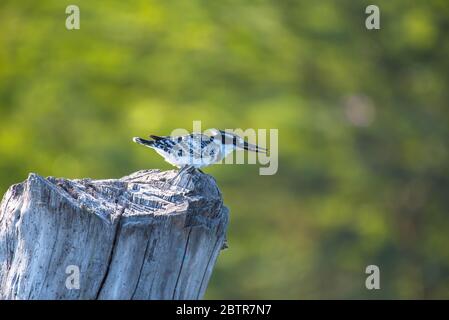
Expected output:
(138, 237)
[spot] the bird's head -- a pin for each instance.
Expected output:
(231, 140)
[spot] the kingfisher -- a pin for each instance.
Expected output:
(197, 150)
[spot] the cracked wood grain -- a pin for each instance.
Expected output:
(138, 237)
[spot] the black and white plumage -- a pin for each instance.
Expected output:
(197, 150)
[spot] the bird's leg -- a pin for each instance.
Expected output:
(182, 170)
(187, 168)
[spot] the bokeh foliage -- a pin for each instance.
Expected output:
(362, 116)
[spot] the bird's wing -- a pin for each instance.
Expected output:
(193, 144)
(206, 140)
(157, 138)
(164, 143)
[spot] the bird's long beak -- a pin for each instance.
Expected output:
(252, 147)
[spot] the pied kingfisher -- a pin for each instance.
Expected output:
(197, 150)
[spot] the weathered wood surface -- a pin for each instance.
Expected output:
(138, 237)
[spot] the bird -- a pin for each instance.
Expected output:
(197, 150)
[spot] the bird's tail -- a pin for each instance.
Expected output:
(148, 143)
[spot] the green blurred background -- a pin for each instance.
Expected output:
(362, 115)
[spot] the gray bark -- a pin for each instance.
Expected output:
(138, 237)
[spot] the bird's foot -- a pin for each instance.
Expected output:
(182, 171)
